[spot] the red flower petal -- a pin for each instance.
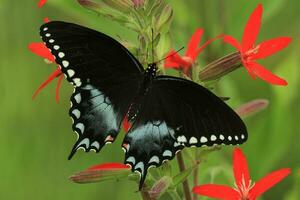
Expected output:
(171, 64)
(41, 50)
(267, 182)
(271, 46)
(240, 169)
(193, 44)
(249, 70)
(108, 166)
(41, 3)
(266, 75)
(56, 73)
(58, 86)
(46, 20)
(232, 41)
(217, 191)
(252, 28)
(174, 60)
(207, 43)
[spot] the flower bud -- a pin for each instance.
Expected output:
(106, 171)
(220, 67)
(160, 187)
(89, 4)
(164, 19)
(120, 5)
(252, 107)
(138, 3)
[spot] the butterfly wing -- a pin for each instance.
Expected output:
(176, 113)
(105, 76)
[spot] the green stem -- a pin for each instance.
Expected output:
(186, 187)
(196, 173)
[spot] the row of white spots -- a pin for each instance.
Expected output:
(193, 140)
(86, 143)
(77, 82)
(153, 160)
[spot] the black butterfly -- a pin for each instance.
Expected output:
(167, 113)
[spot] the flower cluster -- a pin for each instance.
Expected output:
(249, 52)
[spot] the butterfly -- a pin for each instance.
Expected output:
(167, 113)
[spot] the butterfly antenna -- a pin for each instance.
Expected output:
(170, 55)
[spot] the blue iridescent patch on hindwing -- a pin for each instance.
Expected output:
(149, 145)
(94, 119)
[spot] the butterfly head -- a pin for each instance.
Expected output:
(151, 70)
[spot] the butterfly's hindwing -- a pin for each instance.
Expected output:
(149, 145)
(176, 113)
(106, 77)
(95, 119)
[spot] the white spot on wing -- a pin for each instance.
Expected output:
(65, 63)
(242, 136)
(76, 112)
(176, 144)
(131, 159)
(229, 138)
(182, 139)
(140, 166)
(70, 72)
(85, 142)
(56, 47)
(167, 153)
(51, 40)
(77, 82)
(236, 137)
(45, 29)
(61, 54)
(193, 140)
(96, 145)
(48, 35)
(222, 137)
(80, 126)
(213, 138)
(154, 159)
(77, 98)
(203, 139)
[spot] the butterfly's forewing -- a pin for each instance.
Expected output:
(176, 113)
(105, 75)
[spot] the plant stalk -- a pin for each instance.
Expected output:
(145, 194)
(185, 184)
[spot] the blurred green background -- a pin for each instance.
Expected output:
(36, 136)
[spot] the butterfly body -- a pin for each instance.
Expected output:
(148, 76)
(167, 113)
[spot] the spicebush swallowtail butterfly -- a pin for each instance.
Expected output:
(167, 113)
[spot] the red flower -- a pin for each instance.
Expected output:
(251, 52)
(244, 189)
(41, 50)
(41, 3)
(174, 60)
